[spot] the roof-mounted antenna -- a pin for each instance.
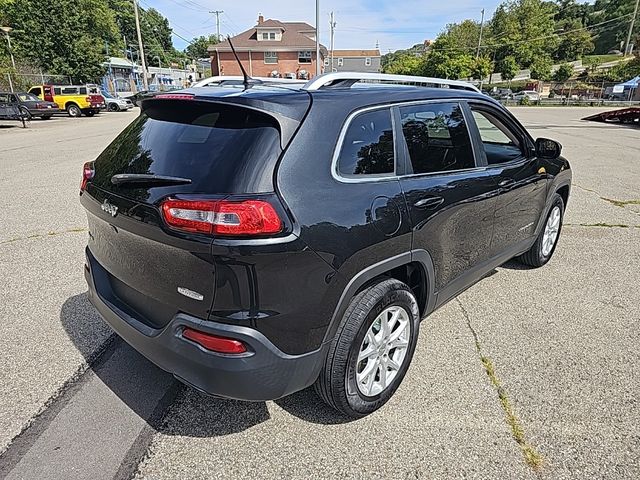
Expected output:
(247, 79)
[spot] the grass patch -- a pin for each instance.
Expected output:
(531, 456)
(48, 234)
(599, 59)
(621, 203)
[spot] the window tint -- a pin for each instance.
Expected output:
(221, 149)
(367, 148)
(4, 98)
(36, 91)
(500, 144)
(437, 137)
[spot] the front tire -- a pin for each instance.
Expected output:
(544, 246)
(113, 107)
(372, 349)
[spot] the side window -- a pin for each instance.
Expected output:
(501, 145)
(367, 148)
(437, 137)
(36, 91)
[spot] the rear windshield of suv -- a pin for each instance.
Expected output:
(221, 149)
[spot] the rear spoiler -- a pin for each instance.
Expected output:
(288, 116)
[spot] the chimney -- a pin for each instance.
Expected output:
(260, 19)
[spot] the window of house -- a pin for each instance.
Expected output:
(265, 36)
(367, 148)
(340, 62)
(270, 57)
(304, 56)
(367, 62)
(272, 36)
(437, 138)
(500, 144)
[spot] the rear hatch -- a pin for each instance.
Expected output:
(155, 271)
(95, 97)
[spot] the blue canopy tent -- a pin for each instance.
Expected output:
(630, 85)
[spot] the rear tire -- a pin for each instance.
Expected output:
(113, 107)
(46, 117)
(26, 114)
(544, 246)
(73, 110)
(367, 361)
(89, 113)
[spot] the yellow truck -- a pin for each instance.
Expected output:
(74, 99)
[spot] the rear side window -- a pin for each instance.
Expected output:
(221, 149)
(437, 138)
(36, 91)
(367, 148)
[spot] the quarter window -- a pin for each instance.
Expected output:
(500, 144)
(437, 138)
(367, 148)
(270, 57)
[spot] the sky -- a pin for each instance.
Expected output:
(359, 23)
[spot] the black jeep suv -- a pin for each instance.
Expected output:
(256, 241)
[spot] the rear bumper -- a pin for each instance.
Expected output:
(264, 373)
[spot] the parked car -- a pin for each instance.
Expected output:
(115, 104)
(501, 94)
(137, 98)
(74, 99)
(9, 110)
(29, 105)
(529, 94)
(251, 256)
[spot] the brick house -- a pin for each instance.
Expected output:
(354, 61)
(287, 49)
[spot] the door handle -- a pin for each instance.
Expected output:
(428, 202)
(507, 182)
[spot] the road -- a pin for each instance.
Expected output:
(528, 374)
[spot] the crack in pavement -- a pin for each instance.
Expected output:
(43, 235)
(601, 225)
(530, 454)
(613, 201)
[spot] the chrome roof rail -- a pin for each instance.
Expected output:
(234, 79)
(347, 79)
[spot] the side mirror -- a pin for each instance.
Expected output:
(547, 149)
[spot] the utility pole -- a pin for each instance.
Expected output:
(6, 31)
(217, 14)
(317, 37)
(480, 37)
(332, 24)
(145, 82)
(633, 20)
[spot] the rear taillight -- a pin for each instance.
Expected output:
(214, 342)
(88, 171)
(222, 217)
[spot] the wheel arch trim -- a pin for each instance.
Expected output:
(419, 256)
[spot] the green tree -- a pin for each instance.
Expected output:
(615, 35)
(541, 69)
(575, 43)
(563, 73)
(198, 46)
(69, 40)
(406, 64)
(524, 29)
(508, 68)
(481, 68)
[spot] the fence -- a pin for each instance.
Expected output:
(20, 82)
(574, 92)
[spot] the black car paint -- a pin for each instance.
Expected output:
(49, 108)
(292, 289)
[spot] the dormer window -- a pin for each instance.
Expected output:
(265, 36)
(269, 34)
(272, 35)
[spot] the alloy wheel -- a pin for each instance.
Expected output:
(551, 230)
(383, 351)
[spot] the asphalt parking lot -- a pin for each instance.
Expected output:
(528, 374)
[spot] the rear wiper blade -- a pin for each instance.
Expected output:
(147, 179)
